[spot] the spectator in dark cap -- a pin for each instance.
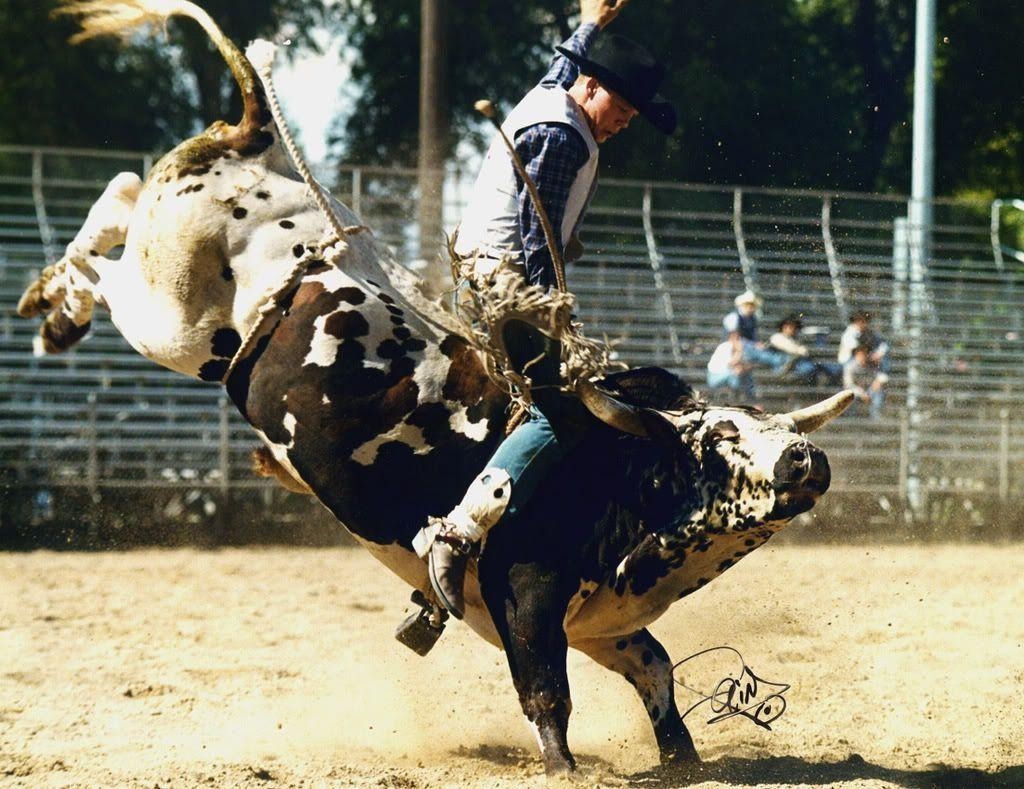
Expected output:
(794, 358)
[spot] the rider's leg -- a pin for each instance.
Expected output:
(556, 425)
(503, 487)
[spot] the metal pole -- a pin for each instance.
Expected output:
(997, 247)
(225, 447)
(900, 272)
(904, 467)
(922, 186)
(922, 193)
(746, 264)
(655, 258)
(835, 270)
(1004, 454)
(92, 468)
(433, 131)
(357, 192)
(45, 228)
(913, 334)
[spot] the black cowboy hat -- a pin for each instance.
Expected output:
(627, 68)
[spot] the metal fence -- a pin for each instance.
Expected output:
(662, 265)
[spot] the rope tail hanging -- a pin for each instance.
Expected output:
(486, 108)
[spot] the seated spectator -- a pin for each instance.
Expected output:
(860, 332)
(744, 318)
(793, 358)
(864, 376)
(728, 368)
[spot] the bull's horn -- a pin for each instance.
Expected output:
(610, 411)
(809, 419)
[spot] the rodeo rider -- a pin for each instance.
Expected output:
(596, 85)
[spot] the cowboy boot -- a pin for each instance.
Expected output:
(446, 568)
(448, 543)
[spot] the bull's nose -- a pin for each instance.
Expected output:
(797, 460)
(800, 463)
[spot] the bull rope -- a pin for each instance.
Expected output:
(261, 54)
(329, 252)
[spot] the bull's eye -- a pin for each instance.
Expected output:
(725, 430)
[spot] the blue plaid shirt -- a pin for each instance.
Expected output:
(552, 154)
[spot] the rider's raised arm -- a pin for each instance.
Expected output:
(594, 15)
(563, 72)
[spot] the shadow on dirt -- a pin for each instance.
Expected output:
(735, 771)
(794, 770)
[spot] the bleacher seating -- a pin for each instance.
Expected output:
(662, 265)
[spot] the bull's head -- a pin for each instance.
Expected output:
(753, 468)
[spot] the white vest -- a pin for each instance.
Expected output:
(490, 224)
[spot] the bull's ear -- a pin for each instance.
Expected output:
(659, 428)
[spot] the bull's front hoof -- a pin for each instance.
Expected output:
(681, 772)
(561, 772)
(681, 757)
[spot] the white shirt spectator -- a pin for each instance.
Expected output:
(786, 344)
(852, 338)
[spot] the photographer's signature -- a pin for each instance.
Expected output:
(744, 694)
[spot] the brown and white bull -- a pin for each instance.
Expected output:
(365, 398)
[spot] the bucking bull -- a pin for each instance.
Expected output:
(365, 397)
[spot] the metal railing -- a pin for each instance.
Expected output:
(662, 265)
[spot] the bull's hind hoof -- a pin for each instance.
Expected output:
(32, 302)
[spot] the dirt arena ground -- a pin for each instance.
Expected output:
(277, 667)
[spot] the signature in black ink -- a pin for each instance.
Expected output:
(746, 695)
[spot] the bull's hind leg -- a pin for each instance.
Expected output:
(645, 664)
(66, 292)
(528, 605)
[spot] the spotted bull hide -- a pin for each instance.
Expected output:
(363, 397)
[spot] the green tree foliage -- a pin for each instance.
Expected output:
(495, 50)
(144, 96)
(55, 94)
(980, 115)
(813, 93)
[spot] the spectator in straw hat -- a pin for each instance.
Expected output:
(744, 317)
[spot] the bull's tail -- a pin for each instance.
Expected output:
(264, 464)
(123, 17)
